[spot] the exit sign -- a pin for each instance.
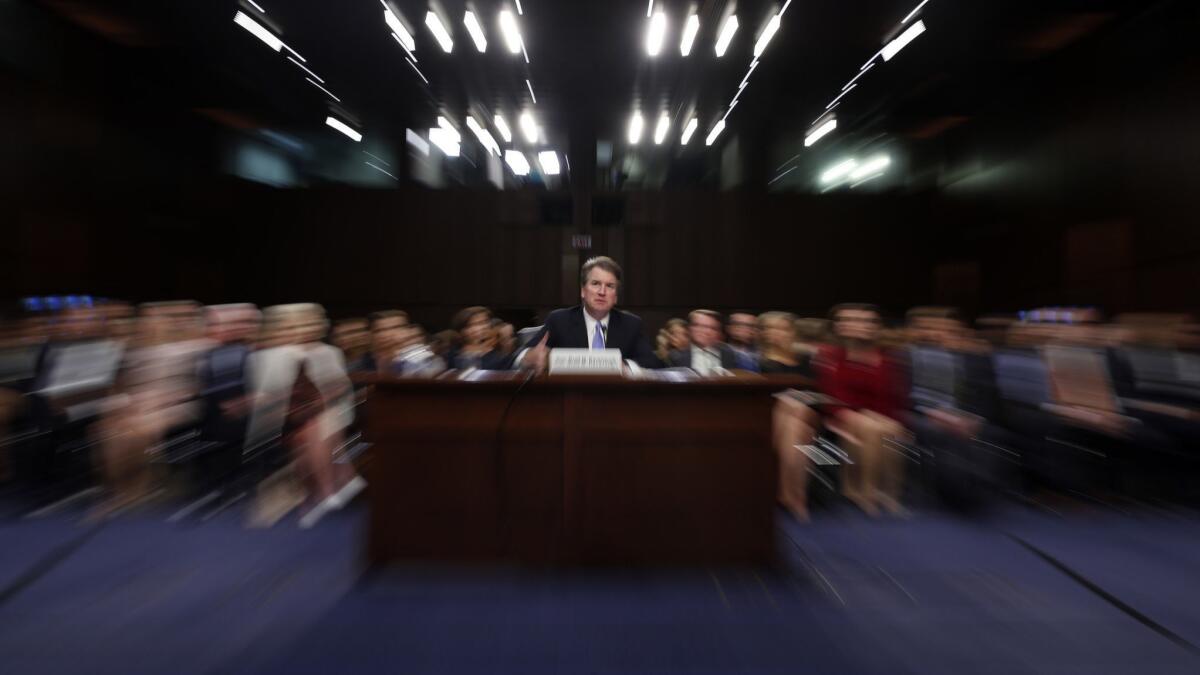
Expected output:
(581, 241)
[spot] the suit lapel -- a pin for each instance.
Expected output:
(578, 329)
(613, 339)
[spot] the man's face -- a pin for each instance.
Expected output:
(942, 332)
(385, 334)
(857, 324)
(244, 326)
(478, 329)
(924, 330)
(679, 337)
(704, 330)
(350, 336)
(599, 292)
(743, 328)
(504, 335)
(79, 323)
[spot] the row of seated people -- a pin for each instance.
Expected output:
(1045, 399)
(118, 393)
(1060, 398)
(1039, 399)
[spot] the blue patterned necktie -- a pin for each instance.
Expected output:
(598, 338)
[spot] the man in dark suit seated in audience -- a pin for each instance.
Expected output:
(224, 387)
(594, 324)
(387, 327)
(954, 404)
(707, 352)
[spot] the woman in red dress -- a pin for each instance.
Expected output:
(869, 387)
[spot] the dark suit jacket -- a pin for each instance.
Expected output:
(493, 360)
(567, 330)
(682, 358)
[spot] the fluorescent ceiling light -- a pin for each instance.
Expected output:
(688, 131)
(517, 162)
(753, 65)
(402, 34)
(549, 162)
(635, 128)
(690, 28)
(314, 83)
(519, 9)
(902, 40)
(255, 5)
(411, 56)
(660, 131)
(727, 30)
(529, 127)
(377, 158)
(343, 127)
(649, 8)
(820, 117)
(484, 136)
(502, 127)
(446, 139)
(512, 34)
(530, 86)
(656, 34)
(382, 170)
(439, 32)
(444, 123)
(860, 74)
(847, 90)
(838, 171)
(414, 139)
(716, 131)
(767, 34)
(475, 31)
(258, 30)
(915, 10)
(302, 67)
(820, 132)
(871, 167)
(419, 73)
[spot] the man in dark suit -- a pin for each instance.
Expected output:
(707, 352)
(595, 323)
(954, 405)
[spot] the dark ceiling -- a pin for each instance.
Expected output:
(589, 70)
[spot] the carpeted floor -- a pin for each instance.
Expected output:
(1015, 591)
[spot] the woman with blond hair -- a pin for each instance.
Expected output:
(303, 395)
(794, 423)
(154, 395)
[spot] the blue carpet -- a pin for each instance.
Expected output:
(1149, 561)
(932, 594)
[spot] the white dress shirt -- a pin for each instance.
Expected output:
(705, 361)
(591, 327)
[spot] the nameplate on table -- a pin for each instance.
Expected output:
(585, 361)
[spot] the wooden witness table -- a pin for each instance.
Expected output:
(572, 469)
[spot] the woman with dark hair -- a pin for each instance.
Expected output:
(477, 345)
(674, 337)
(868, 385)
